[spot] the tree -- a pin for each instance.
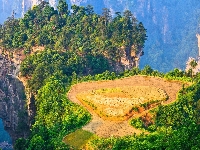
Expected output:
(147, 70)
(62, 7)
(1, 31)
(37, 143)
(48, 12)
(20, 144)
(193, 65)
(89, 10)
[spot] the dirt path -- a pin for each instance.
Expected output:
(106, 128)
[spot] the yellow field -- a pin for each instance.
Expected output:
(111, 103)
(117, 103)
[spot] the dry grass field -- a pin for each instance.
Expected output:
(117, 103)
(110, 101)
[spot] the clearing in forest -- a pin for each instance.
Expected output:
(112, 102)
(117, 103)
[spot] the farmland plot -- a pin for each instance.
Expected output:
(117, 103)
(110, 102)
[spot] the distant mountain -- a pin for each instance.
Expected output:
(21, 6)
(171, 26)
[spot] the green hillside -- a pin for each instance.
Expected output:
(81, 46)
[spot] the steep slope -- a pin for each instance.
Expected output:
(12, 101)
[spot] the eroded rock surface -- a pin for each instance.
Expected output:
(12, 101)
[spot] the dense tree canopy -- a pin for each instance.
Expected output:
(77, 42)
(78, 30)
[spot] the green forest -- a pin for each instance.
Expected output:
(92, 41)
(82, 46)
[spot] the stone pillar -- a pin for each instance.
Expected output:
(198, 37)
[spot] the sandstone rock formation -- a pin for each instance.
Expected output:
(12, 101)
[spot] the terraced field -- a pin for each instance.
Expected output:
(111, 103)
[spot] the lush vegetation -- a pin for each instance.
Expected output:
(50, 78)
(77, 42)
(56, 116)
(80, 46)
(78, 32)
(182, 138)
(79, 138)
(176, 126)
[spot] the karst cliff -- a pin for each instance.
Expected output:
(13, 107)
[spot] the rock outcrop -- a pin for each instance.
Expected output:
(130, 58)
(13, 110)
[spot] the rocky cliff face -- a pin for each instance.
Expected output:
(12, 101)
(171, 25)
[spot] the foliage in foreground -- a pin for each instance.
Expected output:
(79, 138)
(181, 139)
(57, 116)
(98, 40)
(85, 42)
(176, 127)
